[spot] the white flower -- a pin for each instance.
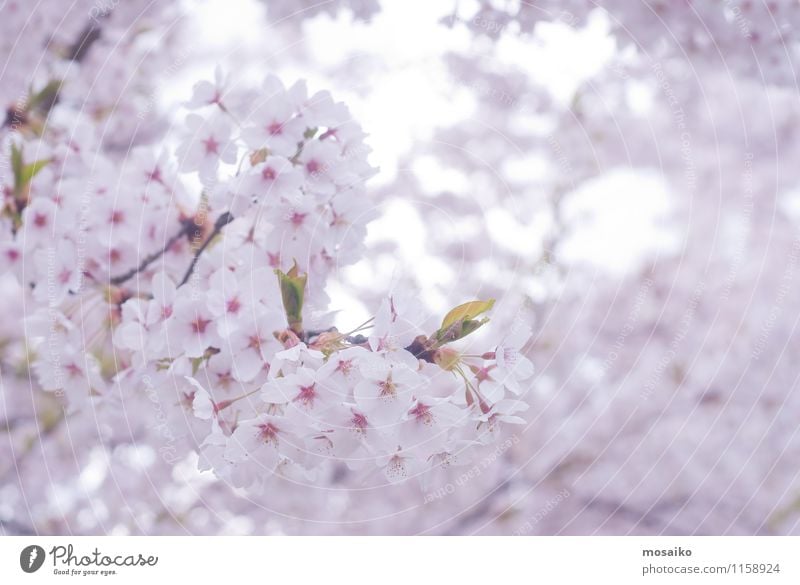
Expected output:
(274, 125)
(257, 447)
(300, 391)
(191, 328)
(387, 391)
(207, 143)
(251, 342)
(428, 425)
(206, 93)
(275, 178)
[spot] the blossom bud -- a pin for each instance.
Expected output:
(293, 286)
(447, 359)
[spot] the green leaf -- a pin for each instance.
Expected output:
(466, 312)
(196, 363)
(293, 287)
(24, 173)
(29, 171)
(16, 163)
(460, 322)
(458, 330)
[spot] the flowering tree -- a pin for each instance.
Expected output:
(173, 359)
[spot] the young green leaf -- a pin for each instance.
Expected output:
(293, 286)
(29, 171)
(460, 322)
(466, 312)
(458, 330)
(24, 173)
(16, 163)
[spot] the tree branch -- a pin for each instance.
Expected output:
(117, 280)
(90, 34)
(221, 222)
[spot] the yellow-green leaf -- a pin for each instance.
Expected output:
(458, 330)
(466, 312)
(29, 171)
(16, 163)
(24, 173)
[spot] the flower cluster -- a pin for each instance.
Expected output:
(365, 402)
(242, 349)
(215, 305)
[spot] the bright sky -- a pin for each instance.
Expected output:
(406, 92)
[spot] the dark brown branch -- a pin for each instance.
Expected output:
(90, 34)
(148, 260)
(221, 222)
(420, 349)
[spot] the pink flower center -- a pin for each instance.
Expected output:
(187, 398)
(297, 218)
(254, 342)
(312, 166)
(268, 173)
(274, 260)
(344, 366)
(275, 129)
(199, 325)
(387, 388)
(40, 220)
(212, 146)
(306, 396)
(155, 175)
(422, 413)
(268, 433)
(233, 305)
(359, 421)
(64, 276)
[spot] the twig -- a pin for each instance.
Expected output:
(221, 222)
(117, 280)
(80, 48)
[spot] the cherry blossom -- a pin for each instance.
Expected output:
(206, 145)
